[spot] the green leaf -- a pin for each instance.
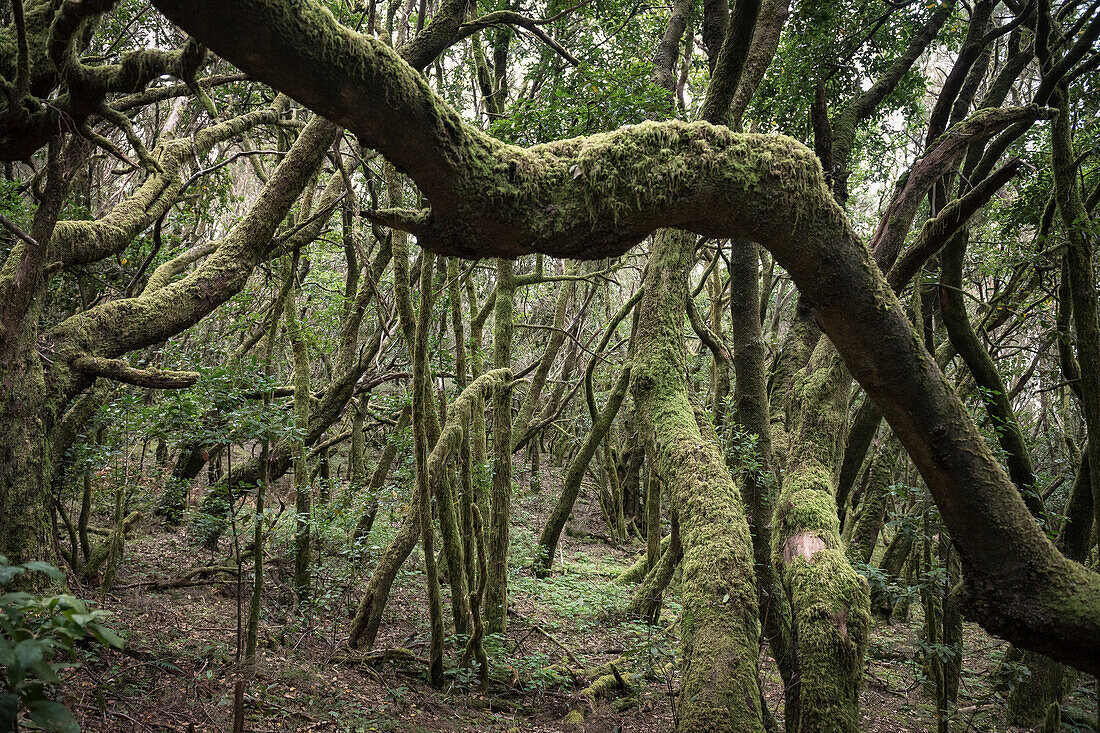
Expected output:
(53, 716)
(106, 636)
(45, 673)
(18, 598)
(71, 602)
(82, 619)
(7, 572)
(45, 567)
(29, 651)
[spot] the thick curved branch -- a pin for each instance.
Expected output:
(706, 334)
(440, 34)
(845, 121)
(975, 42)
(407, 220)
(663, 73)
(160, 94)
(119, 326)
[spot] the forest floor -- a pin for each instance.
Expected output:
(180, 668)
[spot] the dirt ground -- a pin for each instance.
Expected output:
(180, 669)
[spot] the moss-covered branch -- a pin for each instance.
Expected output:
(82, 242)
(538, 380)
(844, 122)
(121, 371)
(935, 232)
(123, 325)
(980, 364)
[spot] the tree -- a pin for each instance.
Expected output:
(596, 196)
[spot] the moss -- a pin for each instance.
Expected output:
(649, 164)
(574, 718)
(720, 626)
(609, 685)
(132, 323)
(830, 602)
(636, 572)
(496, 590)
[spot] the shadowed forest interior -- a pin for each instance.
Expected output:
(527, 365)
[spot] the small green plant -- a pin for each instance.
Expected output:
(1009, 675)
(34, 632)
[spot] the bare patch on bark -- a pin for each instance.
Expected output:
(840, 620)
(804, 545)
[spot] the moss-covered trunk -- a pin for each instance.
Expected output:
(29, 403)
(1049, 681)
(991, 387)
(830, 603)
(378, 478)
(26, 419)
(422, 494)
(553, 346)
(364, 626)
(496, 592)
(647, 598)
(720, 629)
(302, 489)
(1080, 268)
(368, 615)
(442, 485)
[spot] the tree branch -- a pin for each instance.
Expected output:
(938, 159)
(121, 371)
(509, 17)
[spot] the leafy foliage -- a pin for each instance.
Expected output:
(34, 631)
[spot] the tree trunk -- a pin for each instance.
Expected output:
(872, 505)
(720, 629)
(830, 602)
(496, 591)
(302, 490)
(423, 494)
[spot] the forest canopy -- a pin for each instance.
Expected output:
(741, 357)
